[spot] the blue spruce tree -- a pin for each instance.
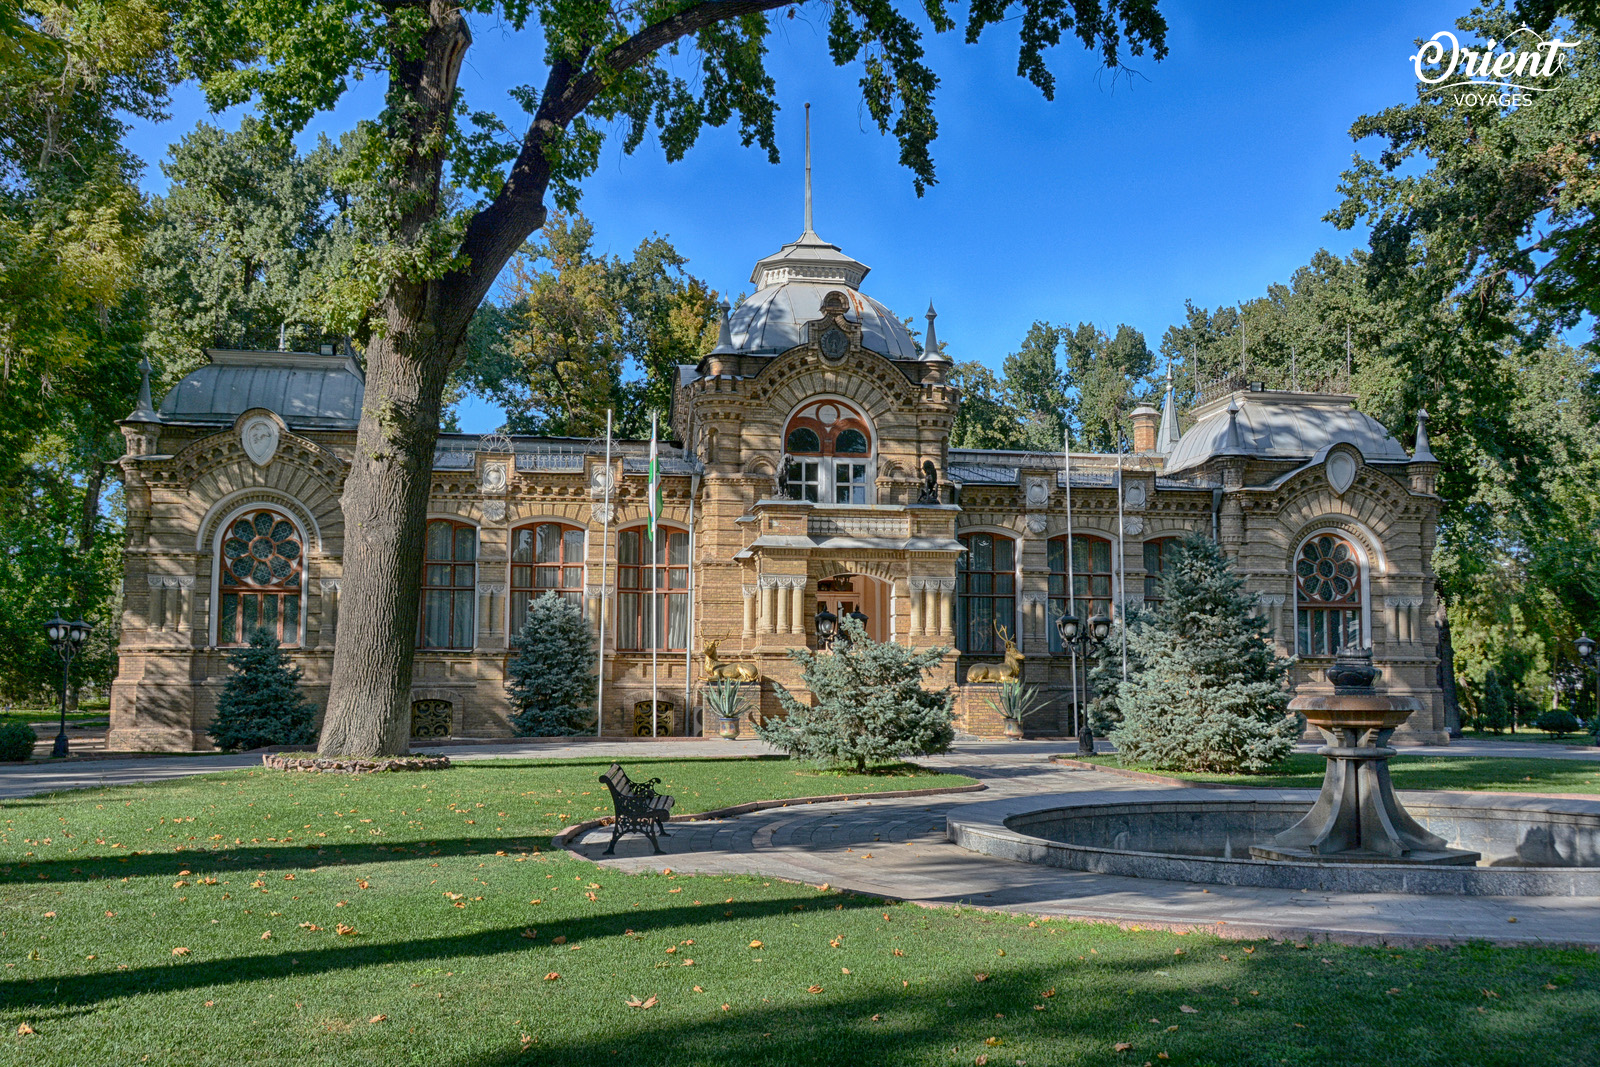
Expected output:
(551, 677)
(1211, 692)
(261, 703)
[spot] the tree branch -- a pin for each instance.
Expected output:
(498, 230)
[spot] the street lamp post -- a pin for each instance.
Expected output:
(67, 639)
(1077, 639)
(1587, 655)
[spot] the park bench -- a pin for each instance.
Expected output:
(639, 808)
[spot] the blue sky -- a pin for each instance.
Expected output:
(1205, 177)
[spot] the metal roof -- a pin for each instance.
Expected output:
(1283, 425)
(306, 390)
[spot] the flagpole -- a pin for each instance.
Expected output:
(655, 589)
(1072, 648)
(605, 553)
(1122, 564)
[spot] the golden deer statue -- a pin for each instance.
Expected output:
(738, 672)
(1010, 671)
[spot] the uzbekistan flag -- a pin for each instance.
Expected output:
(655, 481)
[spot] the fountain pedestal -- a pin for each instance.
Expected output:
(1357, 817)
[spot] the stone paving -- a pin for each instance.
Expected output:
(897, 848)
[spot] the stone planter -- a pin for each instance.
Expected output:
(1013, 729)
(728, 729)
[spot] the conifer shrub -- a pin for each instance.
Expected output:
(1494, 706)
(261, 702)
(1558, 721)
(551, 675)
(1211, 693)
(869, 704)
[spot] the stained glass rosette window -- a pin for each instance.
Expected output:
(1328, 595)
(262, 559)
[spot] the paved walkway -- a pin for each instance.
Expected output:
(898, 848)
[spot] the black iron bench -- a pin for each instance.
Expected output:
(639, 808)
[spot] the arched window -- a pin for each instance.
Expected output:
(1327, 583)
(1157, 557)
(545, 558)
(816, 436)
(1091, 580)
(986, 590)
(263, 560)
(449, 586)
(637, 631)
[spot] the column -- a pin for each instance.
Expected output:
(797, 606)
(749, 610)
(917, 595)
(781, 614)
(947, 607)
(330, 611)
(156, 615)
(769, 605)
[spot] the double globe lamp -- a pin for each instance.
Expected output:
(1076, 638)
(67, 639)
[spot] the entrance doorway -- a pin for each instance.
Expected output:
(844, 593)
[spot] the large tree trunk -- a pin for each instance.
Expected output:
(385, 519)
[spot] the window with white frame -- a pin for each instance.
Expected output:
(829, 445)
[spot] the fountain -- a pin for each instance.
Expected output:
(1357, 818)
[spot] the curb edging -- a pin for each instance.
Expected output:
(562, 839)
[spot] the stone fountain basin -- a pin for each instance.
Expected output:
(1531, 846)
(1340, 711)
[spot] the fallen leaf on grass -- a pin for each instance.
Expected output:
(180, 951)
(377, 1018)
(363, 884)
(981, 1058)
(1122, 1046)
(1188, 1010)
(344, 931)
(649, 1002)
(877, 1018)
(755, 944)
(309, 926)
(530, 933)
(559, 939)
(844, 970)
(1049, 992)
(211, 1003)
(1162, 1056)
(552, 976)
(725, 1007)
(23, 1030)
(814, 989)
(266, 935)
(981, 976)
(993, 1042)
(897, 952)
(697, 989)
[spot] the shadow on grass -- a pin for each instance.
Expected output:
(349, 954)
(1088, 1009)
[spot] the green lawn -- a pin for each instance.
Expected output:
(473, 945)
(54, 715)
(1527, 734)
(1506, 774)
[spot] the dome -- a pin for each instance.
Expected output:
(1275, 425)
(792, 283)
(302, 388)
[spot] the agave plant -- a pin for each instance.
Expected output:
(724, 698)
(1016, 700)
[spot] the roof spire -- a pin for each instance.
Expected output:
(808, 168)
(146, 411)
(933, 350)
(1422, 453)
(1168, 433)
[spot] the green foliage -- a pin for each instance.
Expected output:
(985, 418)
(724, 699)
(1016, 701)
(1105, 369)
(557, 354)
(244, 246)
(868, 704)
(1494, 705)
(1212, 694)
(551, 675)
(1036, 389)
(1558, 721)
(261, 703)
(16, 740)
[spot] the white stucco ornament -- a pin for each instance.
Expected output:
(259, 436)
(1134, 495)
(1341, 470)
(1038, 492)
(1133, 526)
(494, 478)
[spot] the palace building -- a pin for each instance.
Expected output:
(812, 471)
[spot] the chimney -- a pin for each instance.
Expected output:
(1145, 419)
